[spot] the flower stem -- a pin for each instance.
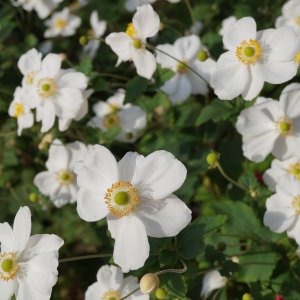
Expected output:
(77, 258)
(229, 178)
(130, 294)
(178, 271)
(190, 9)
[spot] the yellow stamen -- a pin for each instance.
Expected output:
(65, 177)
(18, 109)
(29, 77)
(249, 52)
(285, 127)
(296, 204)
(297, 58)
(122, 199)
(294, 169)
(182, 68)
(9, 266)
(111, 120)
(130, 30)
(60, 23)
(111, 295)
(46, 87)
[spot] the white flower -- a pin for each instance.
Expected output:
(283, 208)
(62, 23)
(254, 58)
(130, 45)
(98, 29)
(212, 281)
(111, 284)
(59, 181)
(272, 126)
(43, 7)
(185, 82)
(28, 264)
(135, 195)
(19, 110)
(131, 119)
(281, 168)
(56, 92)
(290, 16)
(226, 23)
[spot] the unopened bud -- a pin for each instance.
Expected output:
(83, 40)
(161, 294)
(247, 296)
(202, 55)
(213, 159)
(149, 283)
(33, 197)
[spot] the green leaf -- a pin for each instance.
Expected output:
(174, 284)
(135, 88)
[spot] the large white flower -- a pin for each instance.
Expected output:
(111, 284)
(226, 23)
(131, 119)
(185, 82)
(281, 168)
(19, 110)
(272, 126)
(62, 23)
(43, 7)
(28, 264)
(59, 181)
(283, 208)
(254, 58)
(98, 29)
(130, 45)
(290, 16)
(135, 195)
(212, 280)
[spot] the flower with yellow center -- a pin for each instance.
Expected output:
(60, 23)
(130, 31)
(18, 109)
(294, 169)
(46, 87)
(285, 127)
(8, 266)
(65, 177)
(249, 52)
(182, 68)
(111, 295)
(111, 120)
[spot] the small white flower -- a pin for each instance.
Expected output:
(185, 82)
(130, 118)
(111, 284)
(59, 181)
(283, 208)
(136, 196)
(254, 58)
(28, 264)
(130, 45)
(19, 110)
(62, 23)
(281, 168)
(43, 7)
(272, 126)
(226, 23)
(290, 16)
(98, 29)
(212, 281)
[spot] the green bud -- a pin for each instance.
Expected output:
(83, 40)
(212, 159)
(202, 55)
(161, 294)
(33, 197)
(247, 296)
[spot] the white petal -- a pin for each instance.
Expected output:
(75, 80)
(30, 61)
(22, 227)
(279, 72)
(48, 116)
(42, 243)
(58, 157)
(188, 47)
(165, 60)
(111, 277)
(94, 291)
(47, 183)
(127, 166)
(212, 281)
(7, 238)
(289, 100)
(51, 65)
(120, 43)
(145, 62)
(7, 289)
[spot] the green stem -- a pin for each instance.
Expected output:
(84, 257)
(178, 271)
(130, 294)
(190, 9)
(112, 76)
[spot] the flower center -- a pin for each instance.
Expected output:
(285, 127)
(29, 77)
(248, 52)
(46, 87)
(122, 199)
(296, 204)
(111, 295)
(137, 43)
(294, 169)
(181, 68)
(111, 120)
(297, 20)
(297, 58)
(19, 110)
(60, 23)
(9, 266)
(65, 177)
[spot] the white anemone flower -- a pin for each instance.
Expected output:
(212, 280)
(28, 264)
(19, 110)
(56, 92)
(185, 82)
(131, 45)
(254, 58)
(290, 16)
(43, 7)
(272, 126)
(111, 284)
(131, 119)
(98, 29)
(62, 23)
(283, 208)
(281, 168)
(59, 181)
(136, 196)
(226, 23)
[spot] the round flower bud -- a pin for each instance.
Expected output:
(202, 55)
(149, 283)
(83, 40)
(33, 197)
(247, 296)
(212, 159)
(161, 294)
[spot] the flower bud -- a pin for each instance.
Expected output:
(161, 294)
(247, 296)
(149, 283)
(202, 56)
(83, 40)
(212, 159)
(33, 197)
